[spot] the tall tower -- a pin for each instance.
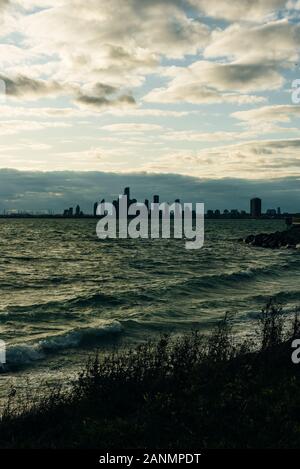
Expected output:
(127, 192)
(255, 207)
(95, 209)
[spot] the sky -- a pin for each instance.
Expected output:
(136, 88)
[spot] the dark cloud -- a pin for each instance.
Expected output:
(55, 190)
(3, 4)
(22, 86)
(103, 95)
(103, 101)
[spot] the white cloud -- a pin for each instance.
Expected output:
(75, 113)
(276, 113)
(132, 128)
(96, 59)
(13, 127)
(271, 43)
(237, 10)
(115, 41)
(209, 82)
(259, 159)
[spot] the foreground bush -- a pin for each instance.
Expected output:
(191, 391)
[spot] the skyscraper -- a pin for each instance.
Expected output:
(127, 192)
(156, 199)
(255, 207)
(95, 208)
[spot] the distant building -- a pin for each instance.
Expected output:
(127, 192)
(255, 207)
(271, 212)
(278, 211)
(217, 213)
(77, 211)
(95, 209)
(68, 212)
(234, 212)
(156, 199)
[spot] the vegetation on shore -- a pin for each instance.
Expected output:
(192, 391)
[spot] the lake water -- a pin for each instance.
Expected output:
(65, 293)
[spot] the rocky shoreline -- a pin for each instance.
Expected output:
(289, 239)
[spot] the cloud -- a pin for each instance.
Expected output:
(90, 112)
(4, 4)
(261, 159)
(104, 61)
(8, 21)
(101, 101)
(29, 88)
(218, 136)
(43, 112)
(236, 10)
(119, 43)
(101, 95)
(209, 82)
(132, 128)
(276, 113)
(11, 55)
(28, 190)
(25, 145)
(293, 4)
(115, 42)
(273, 43)
(13, 127)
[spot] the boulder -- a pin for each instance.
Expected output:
(289, 239)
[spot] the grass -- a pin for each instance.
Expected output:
(192, 391)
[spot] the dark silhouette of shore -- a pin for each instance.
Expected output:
(192, 391)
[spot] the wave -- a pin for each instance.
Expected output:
(65, 305)
(95, 299)
(255, 273)
(281, 296)
(21, 354)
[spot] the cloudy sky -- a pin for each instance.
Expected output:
(191, 87)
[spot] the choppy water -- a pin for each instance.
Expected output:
(65, 293)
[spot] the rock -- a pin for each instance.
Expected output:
(249, 239)
(290, 239)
